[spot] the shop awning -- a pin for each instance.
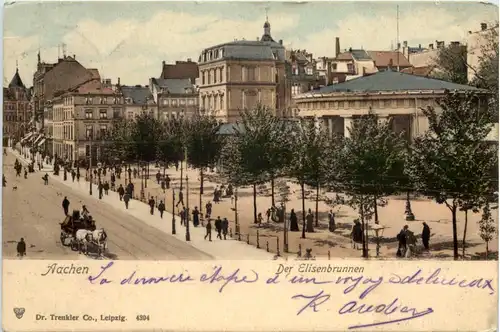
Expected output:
(40, 137)
(26, 137)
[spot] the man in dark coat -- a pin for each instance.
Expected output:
(209, 231)
(151, 205)
(106, 188)
(158, 177)
(161, 208)
(357, 234)
(121, 192)
(309, 222)
(126, 199)
(225, 227)
(100, 187)
(65, 205)
(294, 226)
(21, 248)
(181, 199)
(426, 235)
(402, 242)
(196, 217)
(331, 221)
(218, 227)
(167, 181)
(73, 175)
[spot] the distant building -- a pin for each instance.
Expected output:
(304, 75)
(476, 43)
(137, 100)
(81, 118)
(241, 74)
(174, 97)
(393, 96)
(16, 109)
(180, 70)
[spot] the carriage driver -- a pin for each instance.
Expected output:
(85, 212)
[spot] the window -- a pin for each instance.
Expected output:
(334, 66)
(165, 102)
(174, 102)
(221, 102)
(102, 131)
(88, 100)
(215, 75)
(88, 114)
(220, 75)
(350, 68)
(115, 100)
(296, 71)
(130, 115)
(251, 73)
(352, 104)
(191, 102)
(116, 113)
(89, 132)
(401, 103)
(103, 114)
(387, 103)
(87, 150)
(203, 77)
(182, 102)
(411, 103)
(309, 71)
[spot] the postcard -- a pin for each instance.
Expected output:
(250, 166)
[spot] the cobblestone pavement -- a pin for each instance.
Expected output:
(34, 212)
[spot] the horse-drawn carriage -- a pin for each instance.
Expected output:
(80, 232)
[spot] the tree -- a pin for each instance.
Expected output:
(451, 64)
(372, 166)
(203, 144)
(487, 229)
(452, 162)
(170, 148)
(119, 142)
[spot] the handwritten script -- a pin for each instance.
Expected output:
(393, 310)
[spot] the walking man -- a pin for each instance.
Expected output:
(21, 248)
(161, 208)
(151, 205)
(225, 227)
(126, 199)
(121, 191)
(218, 227)
(426, 235)
(65, 205)
(209, 231)
(181, 199)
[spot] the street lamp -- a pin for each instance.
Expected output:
(236, 223)
(188, 235)
(408, 212)
(378, 231)
(173, 213)
(90, 165)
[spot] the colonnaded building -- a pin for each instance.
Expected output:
(391, 95)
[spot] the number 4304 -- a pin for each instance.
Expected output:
(142, 317)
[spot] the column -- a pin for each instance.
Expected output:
(330, 126)
(347, 126)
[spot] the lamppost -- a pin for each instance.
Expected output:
(90, 164)
(236, 223)
(378, 231)
(284, 196)
(173, 213)
(408, 212)
(141, 170)
(188, 235)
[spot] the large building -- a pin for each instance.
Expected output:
(393, 96)
(304, 75)
(476, 46)
(174, 97)
(137, 100)
(16, 109)
(242, 74)
(81, 118)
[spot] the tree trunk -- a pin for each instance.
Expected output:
(455, 236)
(254, 203)
(303, 210)
(316, 224)
(487, 250)
(181, 175)
(146, 177)
(375, 208)
(272, 191)
(465, 234)
(201, 191)
(364, 238)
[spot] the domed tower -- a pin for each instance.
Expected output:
(267, 32)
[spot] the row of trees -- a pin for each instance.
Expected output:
(451, 162)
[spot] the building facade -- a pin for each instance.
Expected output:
(137, 100)
(174, 97)
(16, 109)
(81, 119)
(242, 74)
(393, 96)
(476, 46)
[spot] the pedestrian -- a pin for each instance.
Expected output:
(208, 208)
(73, 175)
(21, 248)
(225, 227)
(65, 205)
(401, 237)
(158, 177)
(45, 179)
(163, 185)
(126, 199)
(182, 214)
(331, 221)
(268, 214)
(426, 235)
(196, 217)
(310, 220)
(4, 181)
(106, 188)
(209, 231)
(294, 225)
(181, 199)
(259, 218)
(161, 208)
(218, 227)
(100, 187)
(78, 176)
(151, 205)
(357, 234)
(25, 173)
(121, 192)
(167, 181)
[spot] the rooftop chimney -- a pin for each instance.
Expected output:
(118, 81)
(439, 44)
(419, 46)
(163, 62)
(74, 56)
(484, 26)
(431, 46)
(455, 43)
(281, 41)
(399, 46)
(189, 59)
(405, 44)
(337, 46)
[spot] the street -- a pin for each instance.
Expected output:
(34, 212)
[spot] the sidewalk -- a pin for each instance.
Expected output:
(219, 249)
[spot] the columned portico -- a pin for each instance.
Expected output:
(347, 125)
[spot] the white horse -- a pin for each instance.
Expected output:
(83, 237)
(100, 237)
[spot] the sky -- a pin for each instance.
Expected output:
(131, 39)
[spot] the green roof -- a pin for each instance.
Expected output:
(394, 81)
